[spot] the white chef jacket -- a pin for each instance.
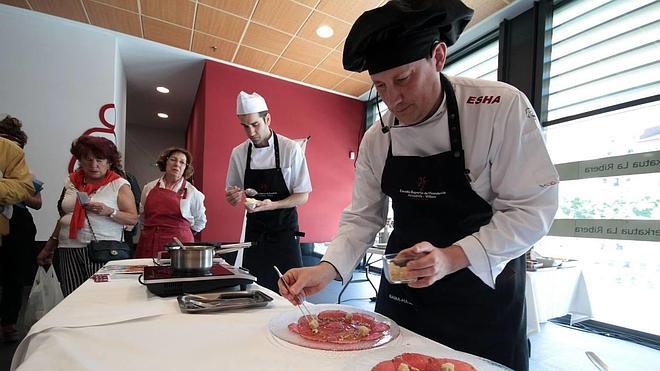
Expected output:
(509, 168)
(292, 163)
(192, 207)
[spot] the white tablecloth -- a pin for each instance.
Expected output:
(551, 293)
(119, 325)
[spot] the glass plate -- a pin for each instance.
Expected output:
(369, 360)
(279, 327)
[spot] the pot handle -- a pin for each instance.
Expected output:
(237, 246)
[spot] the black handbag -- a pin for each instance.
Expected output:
(105, 250)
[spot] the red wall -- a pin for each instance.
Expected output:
(195, 133)
(297, 111)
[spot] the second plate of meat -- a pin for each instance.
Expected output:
(334, 327)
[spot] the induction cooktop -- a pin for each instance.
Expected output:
(165, 281)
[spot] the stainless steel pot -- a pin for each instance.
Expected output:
(198, 257)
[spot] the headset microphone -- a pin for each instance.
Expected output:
(384, 129)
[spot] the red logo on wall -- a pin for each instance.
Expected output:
(109, 128)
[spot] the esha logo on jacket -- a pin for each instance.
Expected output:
(485, 99)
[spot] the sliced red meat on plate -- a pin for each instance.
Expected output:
(421, 362)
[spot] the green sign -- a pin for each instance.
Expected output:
(638, 163)
(613, 229)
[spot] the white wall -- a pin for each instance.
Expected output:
(120, 100)
(144, 145)
(54, 76)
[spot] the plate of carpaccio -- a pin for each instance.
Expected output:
(415, 356)
(334, 327)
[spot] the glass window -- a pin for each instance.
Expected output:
(481, 64)
(606, 53)
(603, 53)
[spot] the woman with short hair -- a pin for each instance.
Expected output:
(170, 206)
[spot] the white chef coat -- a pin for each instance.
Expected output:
(509, 168)
(292, 163)
(192, 207)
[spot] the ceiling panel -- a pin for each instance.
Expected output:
(352, 87)
(266, 39)
(176, 11)
(310, 3)
(166, 33)
(347, 10)
(317, 19)
(72, 9)
(254, 58)
(17, 3)
(277, 36)
(284, 15)
(219, 23)
(484, 8)
(131, 5)
(241, 8)
(325, 79)
(306, 52)
(362, 76)
(333, 64)
(113, 18)
(213, 46)
(291, 69)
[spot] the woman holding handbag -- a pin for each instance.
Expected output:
(96, 203)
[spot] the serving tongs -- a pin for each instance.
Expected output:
(301, 298)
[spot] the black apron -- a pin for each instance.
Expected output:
(433, 201)
(275, 231)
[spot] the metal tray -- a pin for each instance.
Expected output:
(208, 303)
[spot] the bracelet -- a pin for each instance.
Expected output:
(53, 238)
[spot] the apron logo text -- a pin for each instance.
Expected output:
(421, 194)
(400, 300)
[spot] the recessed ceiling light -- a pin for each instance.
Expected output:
(163, 115)
(162, 89)
(325, 31)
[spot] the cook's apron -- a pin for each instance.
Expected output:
(275, 231)
(433, 201)
(162, 221)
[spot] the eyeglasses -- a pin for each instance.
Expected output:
(176, 160)
(90, 160)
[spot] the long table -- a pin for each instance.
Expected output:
(119, 325)
(553, 292)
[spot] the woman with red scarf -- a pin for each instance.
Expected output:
(111, 206)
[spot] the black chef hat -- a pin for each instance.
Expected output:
(402, 31)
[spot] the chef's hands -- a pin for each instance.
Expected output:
(98, 208)
(233, 195)
(258, 206)
(308, 280)
(431, 263)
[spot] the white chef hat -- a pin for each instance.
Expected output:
(250, 103)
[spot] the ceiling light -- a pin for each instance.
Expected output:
(163, 115)
(162, 89)
(325, 31)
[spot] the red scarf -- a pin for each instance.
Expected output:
(78, 180)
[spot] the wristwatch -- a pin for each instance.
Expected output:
(112, 215)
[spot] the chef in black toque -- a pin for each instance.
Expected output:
(470, 179)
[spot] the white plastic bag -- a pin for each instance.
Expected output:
(46, 293)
